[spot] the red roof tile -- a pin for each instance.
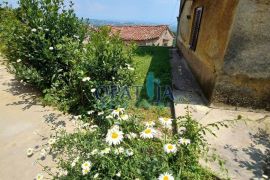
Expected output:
(139, 33)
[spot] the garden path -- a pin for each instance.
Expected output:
(21, 118)
(242, 146)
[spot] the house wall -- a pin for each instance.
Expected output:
(158, 41)
(165, 36)
(147, 43)
(245, 78)
(217, 19)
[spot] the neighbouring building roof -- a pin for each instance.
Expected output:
(139, 33)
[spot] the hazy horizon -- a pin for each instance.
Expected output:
(140, 11)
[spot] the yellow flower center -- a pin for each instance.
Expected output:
(115, 135)
(148, 131)
(165, 178)
(166, 119)
(170, 147)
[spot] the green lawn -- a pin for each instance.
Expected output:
(151, 60)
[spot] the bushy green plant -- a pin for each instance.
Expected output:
(129, 149)
(49, 47)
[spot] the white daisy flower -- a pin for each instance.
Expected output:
(52, 141)
(118, 174)
(121, 150)
(170, 148)
(116, 127)
(93, 127)
(123, 117)
(83, 131)
(166, 121)
(116, 151)
(109, 117)
(148, 133)
(29, 152)
(39, 176)
(94, 152)
(85, 125)
(117, 112)
(100, 113)
(46, 29)
(184, 141)
(19, 60)
(51, 48)
(77, 117)
(96, 176)
(34, 30)
(86, 79)
(168, 126)
(150, 123)
(90, 112)
(181, 130)
(128, 136)
(129, 152)
(114, 136)
(74, 162)
(85, 171)
(93, 90)
(166, 176)
(63, 173)
(86, 165)
(133, 135)
(131, 68)
(105, 151)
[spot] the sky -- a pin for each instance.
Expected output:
(151, 11)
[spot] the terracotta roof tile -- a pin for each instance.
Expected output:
(139, 33)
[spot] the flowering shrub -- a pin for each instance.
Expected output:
(49, 47)
(130, 149)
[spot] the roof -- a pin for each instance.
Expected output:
(139, 33)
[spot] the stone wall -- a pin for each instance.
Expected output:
(245, 77)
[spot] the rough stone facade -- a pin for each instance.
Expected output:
(232, 58)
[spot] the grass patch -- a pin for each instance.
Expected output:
(155, 61)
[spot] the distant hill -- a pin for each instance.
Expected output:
(97, 22)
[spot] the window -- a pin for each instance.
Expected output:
(165, 42)
(196, 28)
